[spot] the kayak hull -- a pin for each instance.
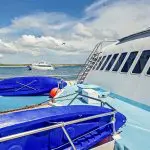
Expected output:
(28, 86)
(92, 131)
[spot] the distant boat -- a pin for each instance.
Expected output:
(41, 66)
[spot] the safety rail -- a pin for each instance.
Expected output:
(63, 124)
(91, 60)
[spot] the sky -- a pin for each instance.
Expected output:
(65, 31)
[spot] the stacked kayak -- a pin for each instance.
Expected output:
(28, 86)
(40, 129)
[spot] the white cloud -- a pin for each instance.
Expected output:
(1, 55)
(95, 6)
(46, 32)
(121, 17)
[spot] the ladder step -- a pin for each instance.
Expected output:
(94, 58)
(91, 61)
(83, 76)
(88, 65)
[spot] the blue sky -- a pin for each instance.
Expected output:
(34, 30)
(10, 9)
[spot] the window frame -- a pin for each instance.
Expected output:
(95, 65)
(122, 63)
(138, 61)
(147, 71)
(137, 52)
(111, 60)
(106, 62)
(100, 62)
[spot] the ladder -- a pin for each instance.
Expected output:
(89, 63)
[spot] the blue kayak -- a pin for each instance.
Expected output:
(28, 86)
(85, 135)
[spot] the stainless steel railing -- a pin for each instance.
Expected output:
(63, 124)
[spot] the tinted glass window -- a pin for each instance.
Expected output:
(97, 62)
(119, 62)
(148, 72)
(141, 62)
(105, 63)
(112, 62)
(101, 61)
(129, 61)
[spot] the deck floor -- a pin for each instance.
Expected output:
(135, 135)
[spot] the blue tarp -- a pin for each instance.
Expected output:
(32, 119)
(27, 86)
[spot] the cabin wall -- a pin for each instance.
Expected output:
(129, 85)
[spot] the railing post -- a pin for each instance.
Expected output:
(113, 123)
(68, 137)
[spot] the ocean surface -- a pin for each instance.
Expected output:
(10, 103)
(64, 72)
(136, 132)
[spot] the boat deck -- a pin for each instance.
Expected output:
(136, 133)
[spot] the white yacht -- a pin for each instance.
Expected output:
(123, 69)
(42, 66)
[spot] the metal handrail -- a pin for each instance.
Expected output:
(99, 100)
(68, 137)
(62, 124)
(84, 135)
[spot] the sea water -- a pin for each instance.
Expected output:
(64, 72)
(136, 133)
(10, 103)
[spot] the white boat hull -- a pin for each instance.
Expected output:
(42, 68)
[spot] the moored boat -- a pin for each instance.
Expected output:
(28, 86)
(42, 66)
(65, 127)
